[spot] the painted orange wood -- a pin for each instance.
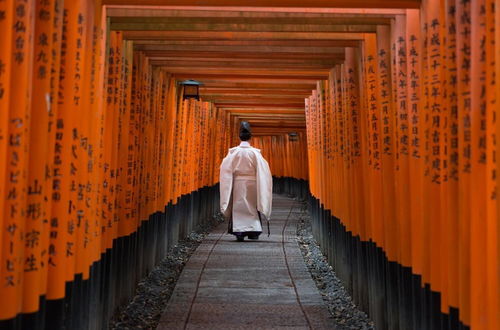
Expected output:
(396, 128)
(430, 183)
(16, 104)
(464, 129)
(479, 156)
(5, 62)
(41, 131)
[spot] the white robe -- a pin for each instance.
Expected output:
(246, 186)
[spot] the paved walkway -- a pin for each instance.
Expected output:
(260, 284)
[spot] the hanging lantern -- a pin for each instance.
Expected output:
(191, 89)
(293, 136)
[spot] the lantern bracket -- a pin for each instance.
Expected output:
(293, 136)
(191, 89)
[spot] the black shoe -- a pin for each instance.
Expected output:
(240, 238)
(253, 236)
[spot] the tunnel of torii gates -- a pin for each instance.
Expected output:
(105, 166)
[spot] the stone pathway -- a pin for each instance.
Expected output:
(260, 284)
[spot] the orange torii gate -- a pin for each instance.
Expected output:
(415, 152)
(102, 159)
(95, 141)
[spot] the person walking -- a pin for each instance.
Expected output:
(246, 188)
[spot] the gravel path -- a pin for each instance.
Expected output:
(153, 292)
(337, 299)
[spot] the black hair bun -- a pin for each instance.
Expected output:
(245, 131)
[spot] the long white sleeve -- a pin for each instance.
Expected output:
(264, 186)
(226, 184)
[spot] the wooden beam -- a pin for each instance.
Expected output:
(273, 119)
(158, 55)
(253, 105)
(247, 12)
(273, 125)
(261, 101)
(263, 95)
(154, 49)
(267, 116)
(252, 91)
(264, 111)
(214, 26)
(272, 122)
(291, 126)
(148, 44)
(201, 64)
(275, 131)
(264, 99)
(270, 61)
(251, 72)
(237, 98)
(266, 84)
(228, 35)
(295, 121)
(249, 18)
(274, 4)
(244, 79)
(202, 77)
